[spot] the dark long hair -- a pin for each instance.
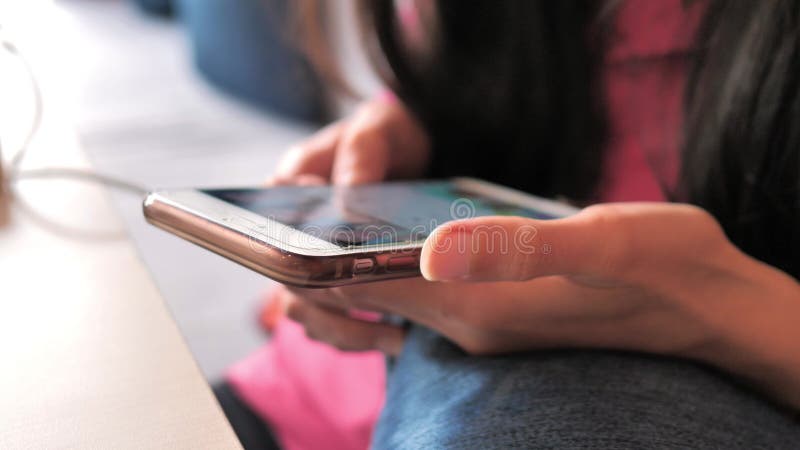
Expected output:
(741, 157)
(510, 94)
(513, 95)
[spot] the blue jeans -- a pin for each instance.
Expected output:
(438, 397)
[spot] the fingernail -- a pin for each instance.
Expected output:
(448, 258)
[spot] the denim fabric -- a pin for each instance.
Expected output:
(438, 397)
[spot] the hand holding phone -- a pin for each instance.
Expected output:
(323, 236)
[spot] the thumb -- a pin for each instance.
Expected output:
(507, 249)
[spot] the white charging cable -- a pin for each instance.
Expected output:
(14, 172)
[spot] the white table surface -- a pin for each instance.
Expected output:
(145, 114)
(89, 355)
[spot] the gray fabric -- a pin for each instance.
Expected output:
(438, 397)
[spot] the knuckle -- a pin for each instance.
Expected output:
(364, 138)
(522, 265)
(710, 237)
(611, 224)
(605, 218)
(367, 133)
(705, 222)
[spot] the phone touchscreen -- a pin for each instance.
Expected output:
(395, 213)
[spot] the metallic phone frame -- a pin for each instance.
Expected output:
(236, 233)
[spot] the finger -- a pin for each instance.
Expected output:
(499, 249)
(342, 298)
(543, 312)
(343, 332)
(272, 308)
(314, 156)
(296, 180)
(416, 299)
(363, 154)
(607, 240)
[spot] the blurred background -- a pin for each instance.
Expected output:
(173, 93)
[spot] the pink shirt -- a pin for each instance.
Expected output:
(314, 396)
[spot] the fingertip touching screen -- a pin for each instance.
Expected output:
(372, 215)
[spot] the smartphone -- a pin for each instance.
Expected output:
(325, 236)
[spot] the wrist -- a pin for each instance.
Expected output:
(759, 338)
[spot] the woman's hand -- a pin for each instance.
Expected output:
(381, 140)
(657, 278)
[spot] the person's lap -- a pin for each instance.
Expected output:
(438, 397)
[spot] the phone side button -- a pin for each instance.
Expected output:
(402, 263)
(363, 265)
